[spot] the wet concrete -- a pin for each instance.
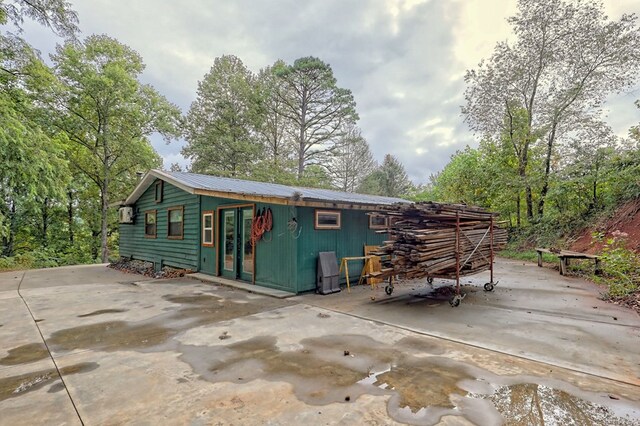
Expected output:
(25, 353)
(102, 312)
(533, 313)
(15, 386)
(203, 354)
(423, 387)
(194, 310)
(203, 309)
(110, 336)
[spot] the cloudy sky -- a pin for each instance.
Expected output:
(404, 60)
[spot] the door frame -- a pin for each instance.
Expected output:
(219, 226)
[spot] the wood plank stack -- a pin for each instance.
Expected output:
(424, 239)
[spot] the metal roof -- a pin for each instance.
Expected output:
(191, 182)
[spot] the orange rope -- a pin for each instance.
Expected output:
(262, 222)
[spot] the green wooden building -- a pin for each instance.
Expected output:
(205, 223)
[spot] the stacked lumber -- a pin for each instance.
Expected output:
(425, 241)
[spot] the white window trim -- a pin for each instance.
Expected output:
(204, 229)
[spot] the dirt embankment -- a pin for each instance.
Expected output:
(626, 220)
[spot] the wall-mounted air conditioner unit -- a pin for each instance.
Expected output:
(125, 215)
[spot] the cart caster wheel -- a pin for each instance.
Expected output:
(388, 290)
(488, 287)
(430, 280)
(455, 301)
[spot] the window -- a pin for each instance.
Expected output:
(158, 189)
(150, 224)
(207, 229)
(327, 219)
(378, 222)
(175, 218)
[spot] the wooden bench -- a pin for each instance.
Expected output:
(566, 255)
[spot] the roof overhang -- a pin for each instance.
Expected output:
(152, 175)
(148, 179)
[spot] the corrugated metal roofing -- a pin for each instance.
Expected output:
(246, 187)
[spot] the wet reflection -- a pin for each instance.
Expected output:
(531, 404)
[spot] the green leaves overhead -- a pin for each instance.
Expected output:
(221, 122)
(273, 125)
(108, 114)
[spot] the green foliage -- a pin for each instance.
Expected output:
(515, 253)
(319, 112)
(544, 87)
(390, 179)
(107, 116)
(620, 266)
(222, 121)
(55, 14)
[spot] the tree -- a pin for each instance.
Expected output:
(275, 129)
(107, 114)
(33, 169)
(352, 161)
(390, 179)
(317, 108)
(55, 14)
(567, 57)
(221, 123)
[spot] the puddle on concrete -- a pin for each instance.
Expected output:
(56, 387)
(203, 309)
(110, 336)
(415, 344)
(102, 312)
(532, 404)
(424, 382)
(18, 385)
(195, 310)
(318, 377)
(423, 387)
(24, 354)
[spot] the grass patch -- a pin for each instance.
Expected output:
(527, 255)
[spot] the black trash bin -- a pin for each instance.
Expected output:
(328, 277)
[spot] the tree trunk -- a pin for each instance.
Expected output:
(70, 216)
(104, 218)
(94, 247)
(45, 221)
(302, 143)
(518, 219)
(8, 240)
(547, 170)
(522, 172)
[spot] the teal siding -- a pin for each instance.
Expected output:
(276, 258)
(349, 241)
(285, 258)
(161, 250)
(276, 253)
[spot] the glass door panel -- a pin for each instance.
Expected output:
(247, 247)
(229, 252)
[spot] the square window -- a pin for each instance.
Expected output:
(327, 219)
(378, 222)
(158, 191)
(207, 229)
(150, 224)
(175, 218)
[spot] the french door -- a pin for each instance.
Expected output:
(236, 250)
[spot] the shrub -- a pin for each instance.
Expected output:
(620, 266)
